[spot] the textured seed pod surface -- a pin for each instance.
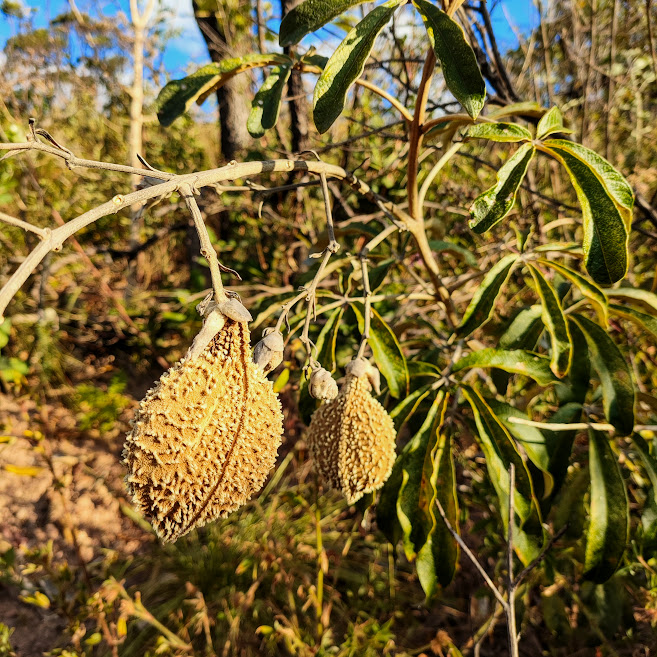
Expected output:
(352, 440)
(204, 438)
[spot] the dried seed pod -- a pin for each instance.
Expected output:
(352, 438)
(268, 353)
(322, 385)
(206, 436)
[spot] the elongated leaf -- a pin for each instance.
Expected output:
(499, 452)
(555, 322)
(517, 361)
(494, 204)
(606, 201)
(614, 374)
(614, 181)
(386, 351)
(522, 333)
(420, 368)
(481, 307)
(266, 105)
(327, 340)
(412, 517)
(310, 16)
(459, 64)
(536, 445)
(460, 251)
(551, 122)
(524, 108)
(346, 65)
(377, 275)
(589, 289)
(437, 558)
(647, 322)
(649, 461)
(608, 531)
(502, 132)
(403, 411)
(649, 514)
(176, 97)
(524, 330)
(386, 509)
(643, 299)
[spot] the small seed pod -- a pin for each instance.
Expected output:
(322, 385)
(268, 353)
(352, 438)
(206, 436)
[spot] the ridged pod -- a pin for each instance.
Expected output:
(206, 436)
(352, 439)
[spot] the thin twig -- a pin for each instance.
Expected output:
(511, 609)
(579, 426)
(171, 183)
(207, 250)
(43, 233)
(473, 559)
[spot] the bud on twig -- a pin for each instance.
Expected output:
(322, 385)
(268, 353)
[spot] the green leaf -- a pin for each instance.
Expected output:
(266, 105)
(386, 351)
(483, 302)
(614, 181)
(500, 452)
(327, 340)
(608, 531)
(460, 251)
(420, 368)
(525, 108)
(5, 332)
(606, 201)
(614, 374)
(522, 333)
(571, 394)
(494, 204)
(177, 96)
(346, 65)
(517, 361)
(412, 516)
(458, 61)
(648, 322)
(377, 275)
(403, 411)
(551, 122)
(534, 442)
(310, 16)
(589, 289)
(555, 322)
(649, 514)
(649, 461)
(437, 558)
(524, 330)
(502, 132)
(633, 295)
(386, 509)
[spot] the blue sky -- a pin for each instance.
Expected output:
(188, 47)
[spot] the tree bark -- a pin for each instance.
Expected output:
(232, 97)
(297, 103)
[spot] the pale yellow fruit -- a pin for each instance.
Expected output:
(206, 436)
(352, 440)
